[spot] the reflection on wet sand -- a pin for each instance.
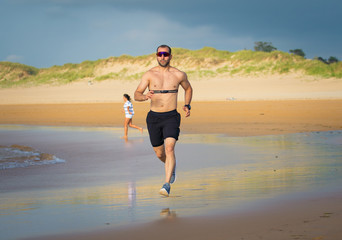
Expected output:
(199, 191)
(166, 212)
(217, 174)
(131, 194)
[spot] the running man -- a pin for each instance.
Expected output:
(163, 120)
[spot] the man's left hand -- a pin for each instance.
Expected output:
(187, 111)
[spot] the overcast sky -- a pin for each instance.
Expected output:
(43, 33)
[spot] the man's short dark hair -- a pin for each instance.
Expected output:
(164, 46)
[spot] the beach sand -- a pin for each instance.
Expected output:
(238, 106)
(241, 88)
(241, 107)
(263, 187)
(235, 118)
(314, 218)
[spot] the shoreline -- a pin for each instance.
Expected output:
(234, 118)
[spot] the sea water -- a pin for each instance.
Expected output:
(107, 181)
(22, 156)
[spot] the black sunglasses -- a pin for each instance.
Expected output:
(166, 54)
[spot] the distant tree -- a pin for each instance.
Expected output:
(298, 52)
(329, 61)
(333, 60)
(264, 47)
(321, 59)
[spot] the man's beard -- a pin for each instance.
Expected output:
(165, 64)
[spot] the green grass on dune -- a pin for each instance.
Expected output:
(199, 64)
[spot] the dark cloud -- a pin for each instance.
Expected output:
(76, 30)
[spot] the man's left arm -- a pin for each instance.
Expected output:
(187, 94)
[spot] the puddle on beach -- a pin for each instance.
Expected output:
(216, 174)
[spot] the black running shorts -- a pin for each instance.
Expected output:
(163, 125)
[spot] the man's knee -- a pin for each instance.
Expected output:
(170, 146)
(159, 153)
(169, 149)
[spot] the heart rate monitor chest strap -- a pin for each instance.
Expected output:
(165, 91)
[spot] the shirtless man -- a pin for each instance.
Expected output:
(163, 120)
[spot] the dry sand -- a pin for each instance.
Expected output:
(285, 105)
(235, 118)
(239, 106)
(271, 87)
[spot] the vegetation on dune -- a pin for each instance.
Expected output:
(199, 64)
(11, 73)
(212, 62)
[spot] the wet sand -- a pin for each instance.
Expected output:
(235, 118)
(308, 216)
(314, 218)
(269, 187)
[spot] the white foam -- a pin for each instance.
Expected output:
(14, 157)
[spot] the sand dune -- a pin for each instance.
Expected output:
(270, 87)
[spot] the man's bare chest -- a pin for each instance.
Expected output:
(164, 83)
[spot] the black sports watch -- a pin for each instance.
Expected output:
(188, 106)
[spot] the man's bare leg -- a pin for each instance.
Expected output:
(170, 161)
(160, 152)
(166, 154)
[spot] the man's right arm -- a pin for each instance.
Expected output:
(139, 92)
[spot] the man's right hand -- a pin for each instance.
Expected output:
(149, 95)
